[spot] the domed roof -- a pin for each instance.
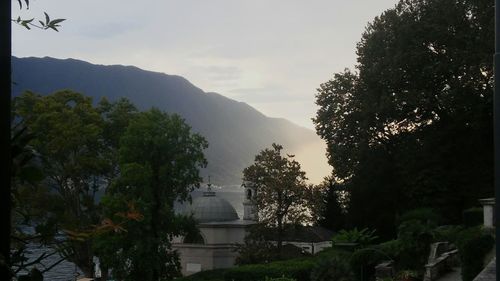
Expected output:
(210, 208)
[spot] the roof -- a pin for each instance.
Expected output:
(210, 208)
(299, 233)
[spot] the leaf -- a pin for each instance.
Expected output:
(31, 174)
(56, 21)
(47, 18)
(53, 27)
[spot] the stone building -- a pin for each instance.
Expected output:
(220, 231)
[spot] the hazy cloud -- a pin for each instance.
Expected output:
(107, 30)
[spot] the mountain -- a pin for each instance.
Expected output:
(236, 132)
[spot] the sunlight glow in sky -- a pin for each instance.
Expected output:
(271, 54)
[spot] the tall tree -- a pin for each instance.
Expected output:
(159, 163)
(280, 189)
(76, 148)
(116, 118)
(329, 199)
(68, 132)
(405, 127)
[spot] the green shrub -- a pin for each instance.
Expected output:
(425, 215)
(331, 252)
(392, 247)
(407, 275)
(473, 246)
(279, 279)
(298, 269)
(333, 268)
(363, 237)
(447, 233)
(362, 262)
(472, 217)
(206, 275)
(415, 237)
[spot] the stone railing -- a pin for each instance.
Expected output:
(442, 258)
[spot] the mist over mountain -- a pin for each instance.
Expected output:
(236, 132)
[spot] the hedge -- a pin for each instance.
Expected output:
(207, 275)
(473, 246)
(298, 269)
(472, 217)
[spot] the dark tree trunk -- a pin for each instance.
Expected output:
(83, 258)
(280, 236)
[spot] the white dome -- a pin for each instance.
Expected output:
(210, 208)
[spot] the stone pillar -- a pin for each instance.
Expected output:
(488, 212)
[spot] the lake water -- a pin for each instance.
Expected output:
(67, 271)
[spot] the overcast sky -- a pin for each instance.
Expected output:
(271, 54)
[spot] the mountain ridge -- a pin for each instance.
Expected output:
(236, 132)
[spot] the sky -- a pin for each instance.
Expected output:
(271, 54)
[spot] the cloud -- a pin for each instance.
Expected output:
(107, 30)
(222, 73)
(270, 94)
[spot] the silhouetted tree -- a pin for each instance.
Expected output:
(412, 126)
(280, 189)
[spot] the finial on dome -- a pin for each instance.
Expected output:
(209, 191)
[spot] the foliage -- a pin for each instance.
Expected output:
(67, 134)
(363, 261)
(298, 269)
(407, 275)
(31, 201)
(392, 248)
(333, 268)
(415, 238)
(472, 217)
(260, 248)
(409, 251)
(280, 189)
(280, 279)
(363, 237)
(427, 216)
(28, 23)
(159, 162)
(206, 275)
(416, 232)
(256, 249)
(328, 202)
(404, 127)
(447, 233)
(67, 143)
(116, 118)
(473, 246)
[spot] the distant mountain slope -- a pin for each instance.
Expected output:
(235, 131)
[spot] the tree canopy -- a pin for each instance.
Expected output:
(67, 136)
(280, 189)
(412, 125)
(159, 163)
(72, 146)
